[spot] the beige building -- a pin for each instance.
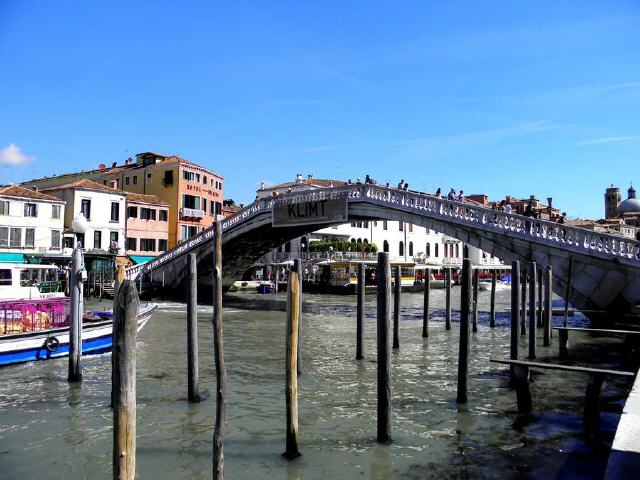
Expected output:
(193, 193)
(147, 229)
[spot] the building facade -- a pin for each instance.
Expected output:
(31, 223)
(193, 193)
(147, 227)
(104, 209)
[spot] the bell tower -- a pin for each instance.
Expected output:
(611, 202)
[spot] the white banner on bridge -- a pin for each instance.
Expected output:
(310, 213)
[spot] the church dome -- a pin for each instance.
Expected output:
(630, 205)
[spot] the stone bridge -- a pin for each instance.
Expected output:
(605, 268)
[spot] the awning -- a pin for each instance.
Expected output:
(137, 259)
(7, 257)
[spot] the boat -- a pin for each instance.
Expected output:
(503, 283)
(21, 281)
(38, 329)
(266, 287)
(341, 277)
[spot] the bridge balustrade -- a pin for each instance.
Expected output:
(543, 231)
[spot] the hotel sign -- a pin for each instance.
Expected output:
(310, 213)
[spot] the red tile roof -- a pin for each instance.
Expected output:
(22, 192)
(140, 198)
(85, 184)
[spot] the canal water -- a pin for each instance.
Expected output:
(50, 430)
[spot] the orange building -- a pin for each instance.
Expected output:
(192, 193)
(147, 229)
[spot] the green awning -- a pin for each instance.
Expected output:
(140, 259)
(8, 257)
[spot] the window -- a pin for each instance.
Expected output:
(401, 248)
(29, 237)
(401, 226)
(85, 208)
(212, 208)
(126, 180)
(189, 201)
(4, 236)
(16, 237)
(132, 243)
(115, 211)
(457, 250)
(218, 208)
(411, 249)
(204, 179)
(104, 182)
(204, 205)
(188, 175)
(148, 244)
(97, 239)
(55, 211)
(4, 207)
(147, 213)
(30, 210)
(168, 177)
(384, 224)
(365, 224)
(149, 177)
(198, 177)
(436, 250)
(411, 228)
(132, 212)
(113, 240)
(163, 215)
(162, 245)
(55, 238)
(135, 180)
(428, 250)
(5, 277)
(385, 246)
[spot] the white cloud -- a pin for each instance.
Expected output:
(13, 155)
(604, 140)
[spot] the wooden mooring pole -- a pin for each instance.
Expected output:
(218, 352)
(360, 312)
(396, 308)
(566, 295)
(463, 352)
(125, 328)
(533, 272)
(77, 310)
(298, 264)
(447, 282)
(383, 275)
(425, 310)
(515, 315)
(523, 301)
(192, 329)
(492, 311)
(118, 280)
(548, 312)
(476, 282)
(540, 311)
(291, 390)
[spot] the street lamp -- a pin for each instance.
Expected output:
(330, 251)
(549, 202)
(79, 227)
(301, 249)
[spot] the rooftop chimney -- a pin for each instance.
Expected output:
(298, 178)
(128, 161)
(310, 176)
(261, 185)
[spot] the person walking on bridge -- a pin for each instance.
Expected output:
(452, 195)
(401, 184)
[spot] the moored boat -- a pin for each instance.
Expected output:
(266, 287)
(39, 329)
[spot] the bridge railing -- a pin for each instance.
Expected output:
(574, 238)
(579, 239)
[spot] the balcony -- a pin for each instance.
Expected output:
(191, 213)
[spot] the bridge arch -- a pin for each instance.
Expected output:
(606, 268)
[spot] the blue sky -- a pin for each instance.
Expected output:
(492, 97)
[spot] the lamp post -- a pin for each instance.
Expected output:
(549, 202)
(330, 251)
